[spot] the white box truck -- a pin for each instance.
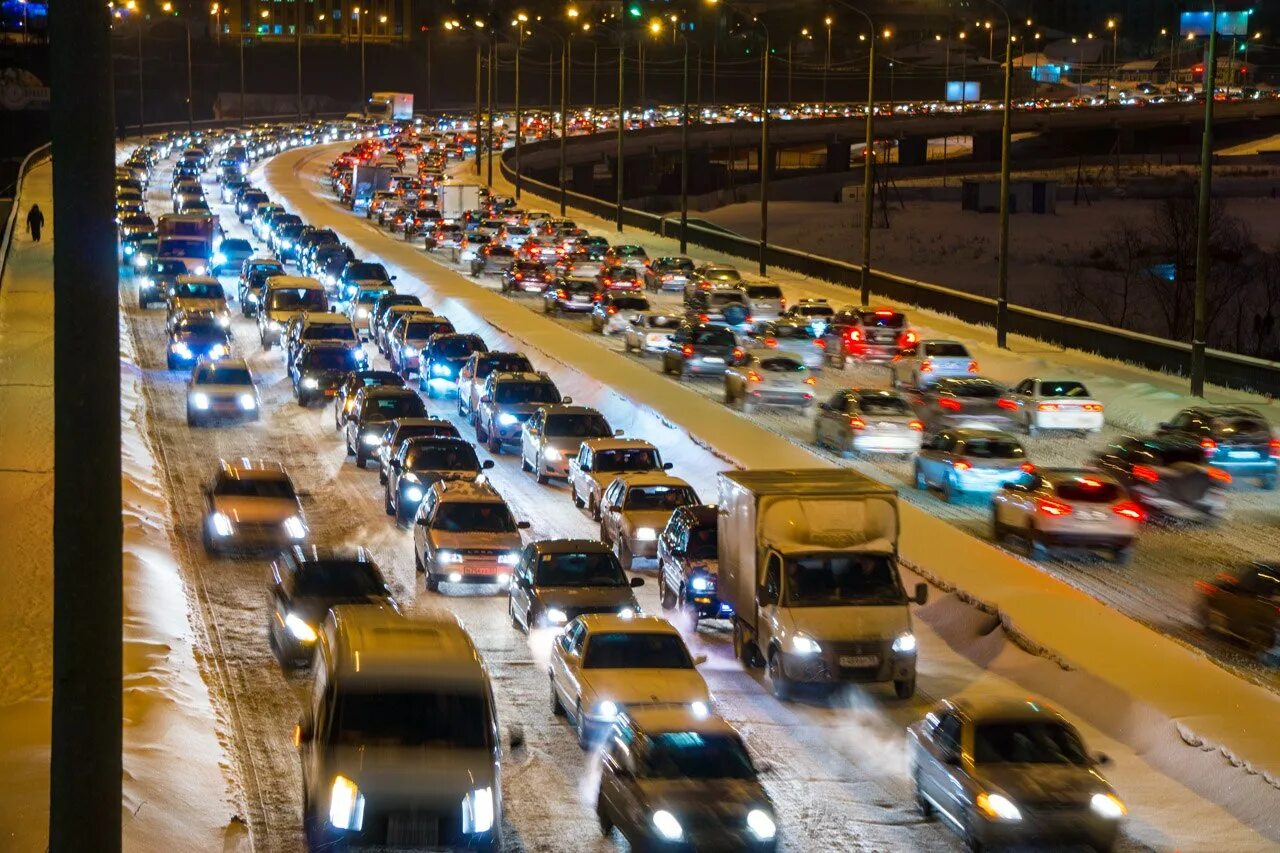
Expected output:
(454, 201)
(391, 106)
(809, 563)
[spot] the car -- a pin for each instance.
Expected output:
(492, 259)
(702, 349)
(1243, 602)
(230, 255)
(868, 335)
(604, 664)
(764, 300)
(930, 360)
(689, 563)
(221, 390)
(400, 430)
(583, 261)
(441, 360)
(196, 336)
(711, 276)
(634, 507)
(1236, 439)
(1056, 404)
(868, 420)
(957, 461)
(251, 265)
(359, 307)
(1168, 476)
(660, 768)
(558, 580)
(476, 369)
(156, 280)
(402, 700)
(615, 277)
(381, 308)
(514, 236)
(540, 249)
(305, 582)
(284, 238)
(815, 311)
(616, 310)
(794, 337)
(973, 402)
(344, 396)
(420, 461)
(574, 294)
(463, 532)
(287, 297)
(507, 400)
(650, 333)
(1011, 772)
(599, 461)
(373, 409)
(763, 377)
(382, 333)
(356, 273)
(627, 255)
(553, 435)
(409, 336)
(668, 272)
(1067, 508)
(525, 276)
(190, 294)
(327, 264)
(319, 369)
(315, 327)
(251, 505)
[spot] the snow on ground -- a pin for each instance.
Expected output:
(175, 787)
(463, 302)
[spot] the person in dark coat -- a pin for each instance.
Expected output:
(35, 222)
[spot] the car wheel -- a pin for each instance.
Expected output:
(387, 506)
(577, 501)
(524, 463)
(778, 681)
(905, 688)
(382, 476)
(593, 507)
(1032, 429)
(1037, 549)
(665, 593)
(580, 727)
(540, 472)
(557, 710)
(949, 490)
(303, 400)
(926, 807)
(921, 483)
(971, 840)
(482, 434)
(361, 456)
(602, 816)
(1270, 482)
(192, 420)
(417, 562)
(433, 583)
(493, 442)
(1122, 556)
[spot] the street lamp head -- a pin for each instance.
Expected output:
(522, 17)
(827, 20)
(963, 35)
(937, 37)
(1111, 23)
(167, 7)
(804, 32)
(213, 10)
(382, 19)
(572, 12)
(1164, 31)
(479, 24)
(888, 33)
(264, 14)
(655, 26)
(986, 25)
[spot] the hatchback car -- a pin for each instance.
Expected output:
(634, 507)
(251, 505)
(476, 369)
(956, 461)
(728, 306)
(196, 336)
(876, 335)
(344, 397)
(768, 378)
(221, 390)
(527, 277)
(319, 370)
(573, 294)
(1067, 508)
(410, 335)
(397, 432)
(973, 402)
(1235, 438)
(507, 401)
(650, 333)
(668, 272)
(558, 580)
(794, 337)
(868, 420)
(702, 349)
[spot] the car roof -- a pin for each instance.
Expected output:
(287, 281)
(304, 554)
(1006, 709)
(651, 478)
(387, 390)
(466, 490)
(324, 318)
(520, 376)
(252, 469)
(613, 623)
(227, 363)
(377, 642)
(570, 546)
(599, 444)
(654, 720)
(400, 423)
(197, 279)
(703, 514)
(568, 409)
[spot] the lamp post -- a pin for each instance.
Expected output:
(868, 157)
(364, 92)
(1199, 324)
(826, 65)
(190, 106)
(518, 23)
(488, 132)
(1114, 26)
(684, 139)
(1002, 274)
(142, 121)
(240, 50)
(298, 45)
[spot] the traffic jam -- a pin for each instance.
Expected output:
(267, 329)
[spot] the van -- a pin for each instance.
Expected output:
(399, 737)
(286, 297)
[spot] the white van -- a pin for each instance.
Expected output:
(399, 740)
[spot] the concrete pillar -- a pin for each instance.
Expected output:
(913, 150)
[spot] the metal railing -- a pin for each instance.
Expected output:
(11, 221)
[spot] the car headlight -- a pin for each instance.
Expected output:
(310, 383)
(140, 261)
(200, 269)
(698, 583)
(346, 805)
(646, 534)
(802, 645)
(413, 493)
(221, 524)
(219, 259)
(556, 616)
(477, 811)
(441, 370)
(200, 400)
(372, 439)
(300, 630)
(507, 419)
(607, 710)
(761, 824)
(295, 528)
(286, 244)
(181, 350)
(667, 825)
(699, 709)
(362, 313)
(998, 806)
(627, 613)
(247, 402)
(449, 557)
(217, 351)
(905, 644)
(253, 298)
(224, 320)
(1108, 806)
(509, 559)
(410, 351)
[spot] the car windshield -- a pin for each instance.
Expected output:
(703, 543)
(454, 456)
(764, 291)
(215, 375)
(459, 347)
(659, 497)
(884, 406)
(626, 459)
(978, 389)
(526, 392)
(584, 425)
(519, 230)
(339, 579)
(673, 265)
(822, 580)
(1027, 742)
(401, 718)
(396, 406)
(366, 271)
(630, 303)
(947, 349)
(714, 338)
(1240, 427)
(992, 448)
(201, 330)
(421, 330)
(696, 755)
(1088, 490)
(1173, 454)
(297, 298)
(722, 274)
(249, 487)
(479, 517)
(623, 273)
(329, 332)
(782, 365)
(628, 650)
(369, 296)
(235, 245)
(168, 268)
(883, 319)
(596, 568)
(186, 248)
(502, 364)
(1063, 389)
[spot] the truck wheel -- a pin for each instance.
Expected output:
(743, 649)
(778, 681)
(665, 592)
(905, 688)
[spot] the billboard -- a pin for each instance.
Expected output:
(962, 91)
(1047, 73)
(1229, 23)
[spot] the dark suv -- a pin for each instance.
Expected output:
(702, 349)
(688, 563)
(507, 401)
(1235, 439)
(373, 409)
(442, 358)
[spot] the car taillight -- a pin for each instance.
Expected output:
(1129, 509)
(810, 381)
(1053, 508)
(926, 366)
(738, 353)
(613, 309)
(1048, 407)
(752, 376)
(704, 318)
(1006, 403)
(1027, 468)
(951, 405)
(1146, 473)
(1206, 588)
(961, 465)
(1093, 407)
(562, 294)
(918, 426)
(782, 304)
(909, 339)
(973, 367)
(1218, 474)
(857, 423)
(884, 313)
(1208, 444)
(771, 343)
(856, 335)
(820, 343)
(1275, 447)
(687, 350)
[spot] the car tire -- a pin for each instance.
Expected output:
(577, 501)
(593, 508)
(1037, 549)
(949, 492)
(602, 817)
(1270, 482)
(744, 650)
(779, 684)
(482, 435)
(1122, 556)
(905, 688)
(361, 456)
(398, 511)
(922, 803)
(1032, 429)
(580, 728)
(539, 472)
(997, 529)
(918, 476)
(387, 506)
(192, 420)
(493, 442)
(304, 400)
(666, 596)
(433, 582)
(557, 710)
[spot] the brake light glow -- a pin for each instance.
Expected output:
(973, 367)
(820, 343)
(704, 318)
(1146, 472)
(961, 465)
(1027, 468)
(1048, 407)
(1056, 509)
(918, 426)
(752, 376)
(687, 350)
(884, 313)
(1006, 403)
(949, 404)
(1093, 407)
(810, 381)
(1129, 509)
(856, 335)
(909, 338)
(771, 343)
(1219, 475)
(856, 423)
(613, 309)
(738, 353)
(1208, 444)
(1275, 447)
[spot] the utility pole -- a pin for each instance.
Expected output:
(85, 768)
(190, 106)
(242, 38)
(493, 60)
(1199, 327)
(298, 44)
(428, 40)
(564, 120)
(1002, 270)
(684, 154)
(868, 167)
(519, 127)
(479, 71)
(622, 61)
(142, 120)
(766, 159)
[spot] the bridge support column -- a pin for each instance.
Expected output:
(838, 154)
(986, 146)
(913, 150)
(583, 180)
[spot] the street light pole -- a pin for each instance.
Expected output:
(190, 106)
(298, 40)
(364, 91)
(619, 166)
(520, 22)
(1199, 326)
(565, 58)
(493, 60)
(868, 156)
(684, 154)
(479, 73)
(1002, 274)
(241, 51)
(826, 66)
(142, 120)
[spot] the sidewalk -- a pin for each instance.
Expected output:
(176, 792)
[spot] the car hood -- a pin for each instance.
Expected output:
(568, 444)
(576, 597)
(1042, 783)
(187, 303)
(256, 509)
(284, 315)
(431, 778)
(848, 623)
(461, 541)
(645, 686)
(224, 390)
(729, 800)
(637, 518)
(312, 609)
(711, 567)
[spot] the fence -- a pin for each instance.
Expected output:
(11, 221)
(1160, 354)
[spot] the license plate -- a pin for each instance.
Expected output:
(330, 392)
(1242, 454)
(713, 359)
(859, 661)
(413, 830)
(580, 299)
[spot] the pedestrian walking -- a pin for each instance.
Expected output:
(35, 222)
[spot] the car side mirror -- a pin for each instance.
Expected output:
(393, 278)
(486, 465)
(699, 660)
(1101, 759)
(617, 432)
(763, 597)
(922, 593)
(395, 463)
(637, 582)
(421, 522)
(566, 401)
(667, 466)
(522, 525)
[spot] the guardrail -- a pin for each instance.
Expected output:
(11, 221)
(1154, 353)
